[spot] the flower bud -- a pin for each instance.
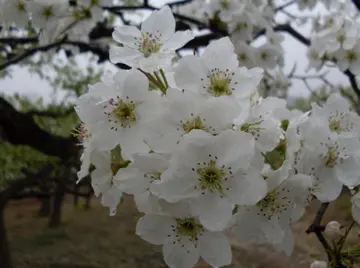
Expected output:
(332, 230)
(319, 264)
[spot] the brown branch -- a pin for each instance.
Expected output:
(317, 228)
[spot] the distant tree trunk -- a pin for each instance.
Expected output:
(55, 216)
(87, 205)
(5, 256)
(45, 208)
(76, 197)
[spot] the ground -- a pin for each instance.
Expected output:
(93, 239)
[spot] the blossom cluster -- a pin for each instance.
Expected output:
(202, 153)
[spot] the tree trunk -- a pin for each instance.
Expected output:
(87, 205)
(55, 216)
(5, 256)
(45, 208)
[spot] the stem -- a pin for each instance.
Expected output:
(316, 228)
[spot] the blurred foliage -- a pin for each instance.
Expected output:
(66, 74)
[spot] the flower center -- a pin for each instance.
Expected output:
(335, 125)
(271, 203)
(188, 227)
(149, 45)
(219, 83)
(82, 134)
(195, 123)
(331, 158)
(264, 55)
(125, 113)
(352, 56)
(48, 12)
(20, 6)
(210, 177)
(153, 176)
(224, 4)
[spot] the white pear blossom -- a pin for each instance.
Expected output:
(283, 204)
(14, 11)
(47, 11)
(185, 111)
(341, 120)
(117, 110)
(355, 207)
(216, 72)
(185, 240)
(214, 172)
(153, 46)
(138, 177)
(260, 123)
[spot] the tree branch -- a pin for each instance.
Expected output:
(317, 228)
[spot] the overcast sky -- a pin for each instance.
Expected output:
(26, 83)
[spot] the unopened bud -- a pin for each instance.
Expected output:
(332, 230)
(319, 264)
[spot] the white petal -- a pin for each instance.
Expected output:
(215, 249)
(328, 188)
(154, 228)
(234, 148)
(127, 35)
(178, 40)
(348, 172)
(175, 186)
(189, 72)
(147, 203)
(160, 23)
(214, 213)
(125, 55)
(136, 86)
(177, 256)
(246, 189)
(220, 54)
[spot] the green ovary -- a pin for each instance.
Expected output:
(149, 46)
(219, 84)
(125, 112)
(196, 123)
(335, 125)
(211, 177)
(188, 227)
(331, 158)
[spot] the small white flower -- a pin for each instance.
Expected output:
(115, 111)
(268, 56)
(349, 59)
(245, 54)
(14, 11)
(341, 120)
(137, 178)
(185, 240)
(268, 221)
(45, 11)
(216, 72)
(185, 111)
(260, 123)
(213, 171)
(226, 8)
(153, 47)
